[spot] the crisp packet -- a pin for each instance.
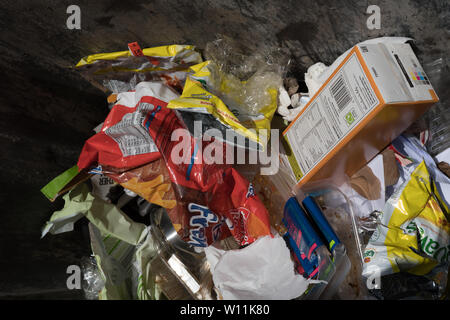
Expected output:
(413, 232)
(150, 181)
(213, 200)
(209, 91)
(123, 142)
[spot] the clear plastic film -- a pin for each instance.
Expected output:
(232, 58)
(243, 80)
(92, 282)
(244, 98)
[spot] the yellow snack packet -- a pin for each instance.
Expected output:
(413, 233)
(169, 56)
(121, 71)
(241, 106)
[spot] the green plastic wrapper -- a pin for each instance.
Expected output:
(64, 182)
(123, 248)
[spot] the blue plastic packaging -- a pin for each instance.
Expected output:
(319, 219)
(302, 237)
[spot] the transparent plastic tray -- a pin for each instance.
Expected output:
(347, 282)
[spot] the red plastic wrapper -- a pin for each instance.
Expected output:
(124, 142)
(214, 200)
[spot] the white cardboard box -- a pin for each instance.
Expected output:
(375, 93)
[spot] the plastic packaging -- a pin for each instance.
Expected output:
(202, 214)
(93, 282)
(180, 271)
(203, 94)
(317, 216)
(277, 189)
(313, 260)
(64, 182)
(150, 181)
(406, 286)
(103, 187)
(213, 200)
(122, 71)
(239, 93)
(347, 282)
(306, 243)
(243, 98)
(124, 142)
(233, 58)
(131, 261)
(336, 247)
(403, 285)
(343, 279)
(273, 189)
(413, 232)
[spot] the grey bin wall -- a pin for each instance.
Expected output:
(47, 110)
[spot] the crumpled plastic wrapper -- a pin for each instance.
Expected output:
(262, 270)
(242, 80)
(233, 58)
(93, 282)
(248, 97)
(122, 71)
(412, 234)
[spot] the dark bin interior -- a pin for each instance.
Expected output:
(48, 110)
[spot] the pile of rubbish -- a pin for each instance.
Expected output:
(185, 202)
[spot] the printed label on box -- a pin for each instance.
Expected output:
(337, 109)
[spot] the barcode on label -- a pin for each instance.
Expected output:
(340, 93)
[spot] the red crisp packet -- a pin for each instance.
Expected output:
(213, 199)
(124, 141)
(235, 198)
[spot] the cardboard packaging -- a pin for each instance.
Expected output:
(375, 93)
